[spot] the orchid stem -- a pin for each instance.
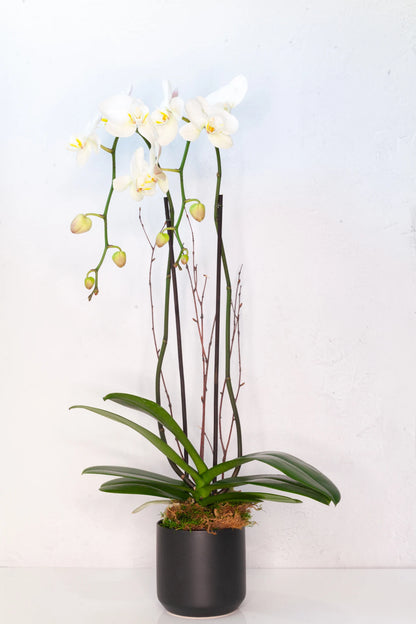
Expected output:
(112, 151)
(217, 329)
(170, 218)
(229, 385)
(161, 356)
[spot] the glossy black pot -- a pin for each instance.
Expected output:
(201, 574)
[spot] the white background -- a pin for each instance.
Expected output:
(320, 204)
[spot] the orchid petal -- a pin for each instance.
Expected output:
(221, 140)
(167, 92)
(230, 95)
(162, 179)
(117, 115)
(167, 132)
(138, 163)
(148, 130)
(116, 104)
(230, 123)
(190, 132)
(196, 113)
(136, 195)
(121, 183)
(122, 129)
(83, 156)
(176, 106)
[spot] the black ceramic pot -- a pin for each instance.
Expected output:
(200, 574)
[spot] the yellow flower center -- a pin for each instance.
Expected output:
(138, 116)
(162, 118)
(78, 144)
(210, 126)
(148, 184)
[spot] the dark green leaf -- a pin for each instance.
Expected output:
(133, 486)
(276, 483)
(154, 439)
(291, 466)
(247, 497)
(160, 414)
(134, 473)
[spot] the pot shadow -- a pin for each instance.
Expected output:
(233, 618)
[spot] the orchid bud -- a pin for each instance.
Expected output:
(184, 258)
(119, 258)
(197, 211)
(162, 238)
(89, 282)
(81, 224)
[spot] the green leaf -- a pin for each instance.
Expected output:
(271, 481)
(132, 486)
(136, 473)
(247, 497)
(291, 466)
(161, 415)
(154, 439)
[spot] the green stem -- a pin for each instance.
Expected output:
(112, 151)
(183, 198)
(228, 381)
(182, 183)
(149, 145)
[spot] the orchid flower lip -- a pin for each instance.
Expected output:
(144, 176)
(214, 118)
(86, 143)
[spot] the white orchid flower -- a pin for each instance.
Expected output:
(86, 143)
(123, 114)
(165, 118)
(143, 176)
(218, 123)
(231, 95)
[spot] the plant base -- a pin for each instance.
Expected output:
(201, 574)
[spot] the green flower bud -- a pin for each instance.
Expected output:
(119, 258)
(162, 238)
(89, 282)
(184, 258)
(81, 224)
(197, 211)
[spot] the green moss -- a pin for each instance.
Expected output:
(190, 516)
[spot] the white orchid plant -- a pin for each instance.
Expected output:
(203, 474)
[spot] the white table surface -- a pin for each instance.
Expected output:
(128, 596)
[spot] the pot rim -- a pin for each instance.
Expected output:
(159, 524)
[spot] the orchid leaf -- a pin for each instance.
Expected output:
(161, 415)
(247, 497)
(136, 473)
(134, 486)
(291, 466)
(154, 439)
(273, 482)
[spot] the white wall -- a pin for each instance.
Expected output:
(321, 210)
